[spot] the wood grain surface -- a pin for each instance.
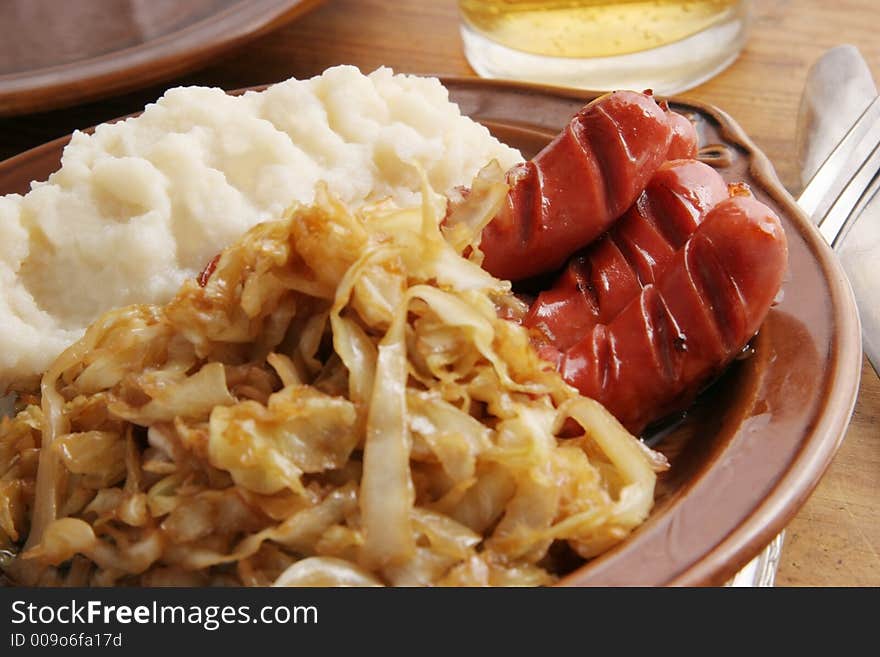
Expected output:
(835, 539)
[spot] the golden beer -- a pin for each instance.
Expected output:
(687, 35)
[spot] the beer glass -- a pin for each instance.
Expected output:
(666, 45)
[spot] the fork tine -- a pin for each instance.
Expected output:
(832, 224)
(835, 174)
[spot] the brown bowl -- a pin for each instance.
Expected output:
(756, 443)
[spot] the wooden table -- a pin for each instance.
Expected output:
(835, 539)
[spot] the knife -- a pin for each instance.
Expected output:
(840, 106)
(838, 89)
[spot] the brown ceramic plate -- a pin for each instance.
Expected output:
(755, 444)
(118, 45)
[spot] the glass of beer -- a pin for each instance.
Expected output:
(664, 45)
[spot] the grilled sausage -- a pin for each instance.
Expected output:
(572, 191)
(680, 332)
(683, 142)
(601, 279)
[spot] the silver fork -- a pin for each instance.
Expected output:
(843, 194)
(834, 193)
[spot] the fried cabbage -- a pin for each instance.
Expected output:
(341, 399)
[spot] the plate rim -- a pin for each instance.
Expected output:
(835, 406)
(140, 65)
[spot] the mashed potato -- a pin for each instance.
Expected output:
(141, 205)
